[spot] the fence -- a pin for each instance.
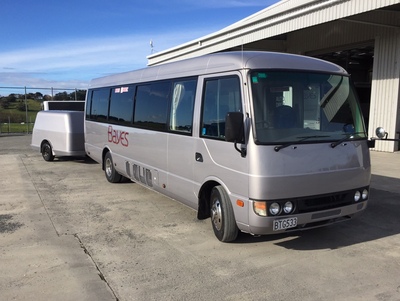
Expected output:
(8, 124)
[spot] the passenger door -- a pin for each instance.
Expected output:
(181, 142)
(216, 159)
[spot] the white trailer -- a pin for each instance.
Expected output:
(59, 133)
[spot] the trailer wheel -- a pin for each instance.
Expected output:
(112, 175)
(222, 216)
(47, 152)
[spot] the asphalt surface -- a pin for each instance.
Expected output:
(68, 234)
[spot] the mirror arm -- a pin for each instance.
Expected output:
(382, 135)
(388, 139)
(242, 150)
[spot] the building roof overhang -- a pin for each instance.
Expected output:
(274, 21)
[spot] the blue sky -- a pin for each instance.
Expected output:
(64, 44)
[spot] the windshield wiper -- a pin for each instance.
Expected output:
(348, 137)
(279, 147)
(336, 143)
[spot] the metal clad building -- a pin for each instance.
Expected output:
(362, 36)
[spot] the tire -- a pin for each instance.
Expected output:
(47, 152)
(222, 216)
(112, 175)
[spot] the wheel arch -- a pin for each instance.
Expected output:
(204, 205)
(46, 141)
(103, 154)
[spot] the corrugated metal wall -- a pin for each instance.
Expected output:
(334, 35)
(385, 95)
(361, 29)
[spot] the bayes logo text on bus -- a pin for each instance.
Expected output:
(117, 137)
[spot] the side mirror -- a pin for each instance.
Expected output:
(381, 133)
(234, 130)
(234, 127)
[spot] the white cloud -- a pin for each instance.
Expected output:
(72, 64)
(27, 79)
(78, 54)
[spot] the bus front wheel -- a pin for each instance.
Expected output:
(222, 216)
(112, 175)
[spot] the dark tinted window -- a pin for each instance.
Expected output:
(99, 108)
(121, 105)
(151, 106)
(221, 95)
(66, 105)
(88, 104)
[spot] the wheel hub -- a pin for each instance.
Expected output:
(108, 167)
(216, 215)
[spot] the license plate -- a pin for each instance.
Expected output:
(286, 223)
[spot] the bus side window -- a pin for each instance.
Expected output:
(88, 107)
(99, 108)
(221, 95)
(121, 105)
(181, 117)
(151, 106)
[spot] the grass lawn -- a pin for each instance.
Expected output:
(13, 120)
(8, 128)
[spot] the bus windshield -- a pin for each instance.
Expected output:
(303, 107)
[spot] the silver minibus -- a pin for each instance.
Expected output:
(260, 142)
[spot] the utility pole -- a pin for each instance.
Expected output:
(26, 114)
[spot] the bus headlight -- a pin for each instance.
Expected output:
(260, 208)
(364, 194)
(274, 208)
(288, 207)
(357, 196)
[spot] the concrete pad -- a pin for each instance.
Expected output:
(386, 171)
(65, 222)
(36, 263)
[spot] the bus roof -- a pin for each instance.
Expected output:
(219, 62)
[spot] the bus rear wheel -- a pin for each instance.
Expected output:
(112, 175)
(222, 216)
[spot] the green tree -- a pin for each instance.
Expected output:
(30, 96)
(80, 95)
(38, 96)
(12, 97)
(4, 102)
(62, 96)
(21, 106)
